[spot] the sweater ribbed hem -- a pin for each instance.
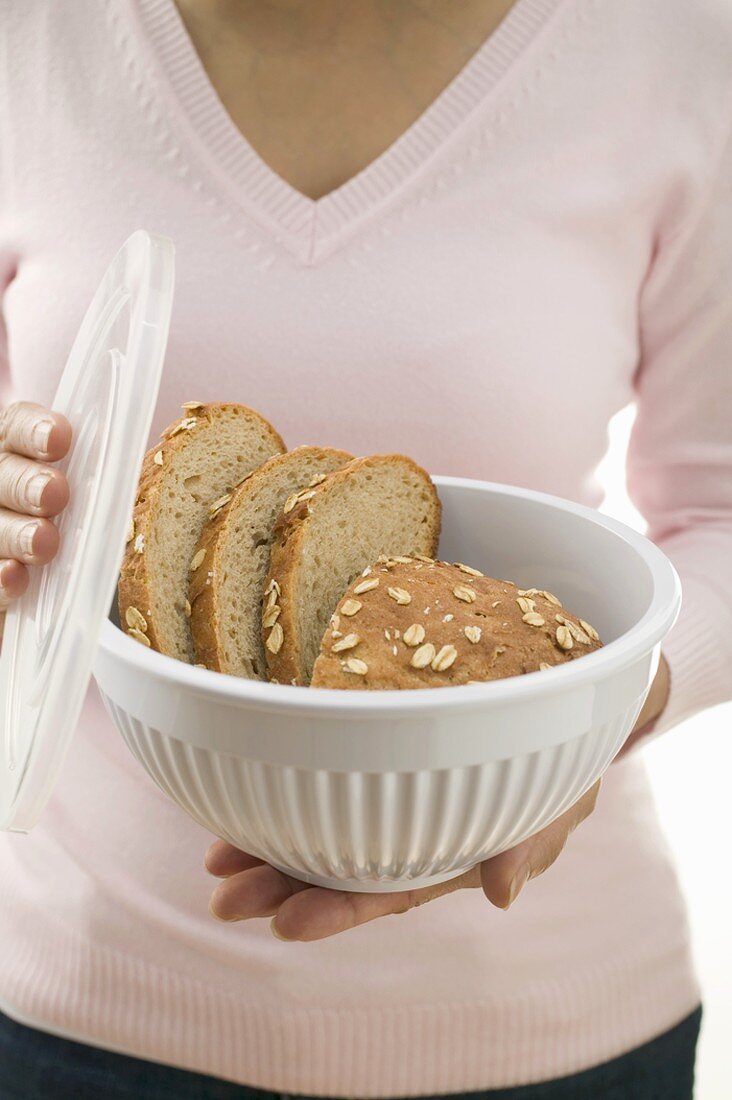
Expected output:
(103, 998)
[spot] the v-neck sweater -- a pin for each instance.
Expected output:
(551, 240)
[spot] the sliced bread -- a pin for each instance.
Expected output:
(451, 625)
(385, 504)
(234, 547)
(201, 457)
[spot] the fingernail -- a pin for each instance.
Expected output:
(41, 434)
(276, 932)
(518, 882)
(26, 536)
(36, 486)
(217, 916)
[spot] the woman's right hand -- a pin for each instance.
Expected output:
(31, 492)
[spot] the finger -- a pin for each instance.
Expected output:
(32, 541)
(256, 892)
(30, 430)
(29, 487)
(223, 859)
(13, 582)
(504, 876)
(318, 913)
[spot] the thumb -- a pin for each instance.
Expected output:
(504, 876)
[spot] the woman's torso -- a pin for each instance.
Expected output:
(471, 298)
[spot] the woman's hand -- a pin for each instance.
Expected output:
(30, 492)
(251, 888)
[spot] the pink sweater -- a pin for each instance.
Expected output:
(552, 239)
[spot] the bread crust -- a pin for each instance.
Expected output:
(136, 584)
(204, 592)
(504, 643)
(291, 532)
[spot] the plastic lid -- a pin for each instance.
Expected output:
(108, 392)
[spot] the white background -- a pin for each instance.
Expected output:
(690, 770)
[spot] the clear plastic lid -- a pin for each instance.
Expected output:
(108, 392)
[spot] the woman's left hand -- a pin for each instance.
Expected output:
(251, 888)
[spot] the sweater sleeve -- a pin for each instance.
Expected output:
(680, 454)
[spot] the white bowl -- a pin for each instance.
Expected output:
(378, 791)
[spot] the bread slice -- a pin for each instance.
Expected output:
(385, 504)
(226, 589)
(200, 458)
(452, 626)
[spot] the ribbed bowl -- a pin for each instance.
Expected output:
(377, 791)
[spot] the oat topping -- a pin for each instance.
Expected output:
(351, 607)
(472, 633)
(189, 406)
(219, 504)
(589, 630)
(552, 598)
(564, 638)
(444, 659)
(423, 656)
(197, 559)
(525, 605)
(366, 586)
(533, 619)
(543, 665)
(297, 498)
(158, 458)
(469, 569)
(448, 618)
(462, 592)
(270, 616)
(414, 634)
(317, 480)
(139, 544)
(187, 609)
(577, 634)
(136, 619)
(349, 642)
(400, 595)
(139, 636)
(183, 425)
(358, 667)
(275, 638)
(402, 560)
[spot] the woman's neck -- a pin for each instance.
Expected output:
(320, 88)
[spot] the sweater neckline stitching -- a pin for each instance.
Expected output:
(297, 221)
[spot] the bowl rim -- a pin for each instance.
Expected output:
(636, 642)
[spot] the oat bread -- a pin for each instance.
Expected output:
(384, 504)
(200, 457)
(424, 624)
(234, 547)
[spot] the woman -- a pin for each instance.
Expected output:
(473, 231)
